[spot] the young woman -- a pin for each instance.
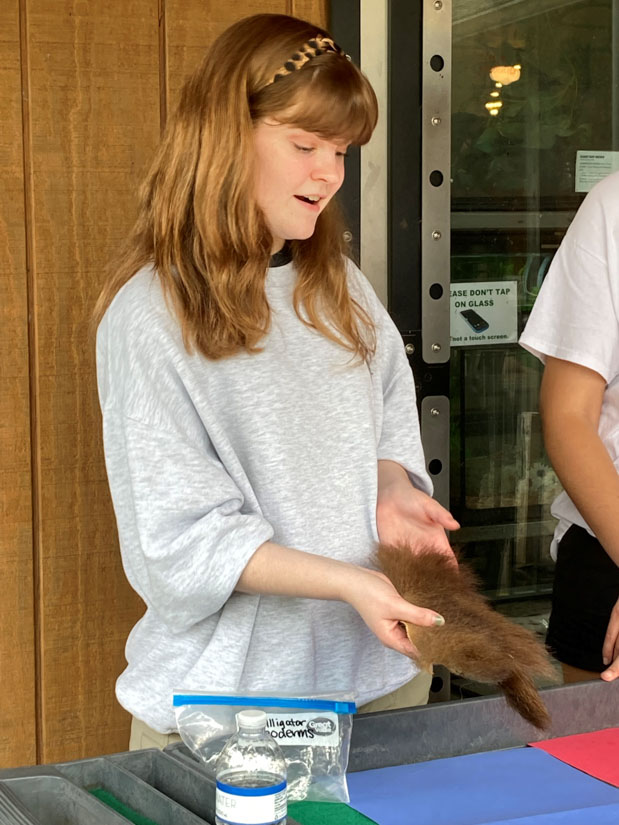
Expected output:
(574, 329)
(259, 412)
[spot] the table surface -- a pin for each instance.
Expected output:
(522, 785)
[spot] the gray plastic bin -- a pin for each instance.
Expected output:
(46, 799)
(8, 818)
(166, 790)
(191, 788)
(10, 813)
(180, 752)
(128, 788)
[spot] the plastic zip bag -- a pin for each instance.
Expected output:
(313, 731)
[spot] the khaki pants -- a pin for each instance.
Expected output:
(412, 693)
(144, 737)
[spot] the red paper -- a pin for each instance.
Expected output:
(594, 753)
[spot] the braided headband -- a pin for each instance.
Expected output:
(312, 48)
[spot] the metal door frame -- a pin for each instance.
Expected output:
(398, 195)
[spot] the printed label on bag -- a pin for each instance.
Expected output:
(317, 729)
(251, 806)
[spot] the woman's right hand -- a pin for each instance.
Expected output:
(284, 571)
(383, 610)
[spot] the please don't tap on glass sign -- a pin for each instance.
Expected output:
(484, 313)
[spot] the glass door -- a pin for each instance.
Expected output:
(533, 126)
(497, 116)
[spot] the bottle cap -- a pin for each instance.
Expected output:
(251, 719)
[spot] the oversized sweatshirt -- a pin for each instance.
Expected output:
(208, 459)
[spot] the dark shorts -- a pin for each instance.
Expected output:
(586, 587)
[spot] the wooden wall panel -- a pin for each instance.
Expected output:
(17, 651)
(94, 120)
(192, 25)
(316, 11)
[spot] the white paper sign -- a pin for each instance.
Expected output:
(317, 729)
(484, 313)
(591, 167)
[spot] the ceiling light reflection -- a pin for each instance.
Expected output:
(505, 74)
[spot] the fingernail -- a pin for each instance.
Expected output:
(439, 621)
(605, 660)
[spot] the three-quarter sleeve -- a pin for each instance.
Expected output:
(185, 534)
(186, 529)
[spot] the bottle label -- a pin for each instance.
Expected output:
(251, 806)
(318, 729)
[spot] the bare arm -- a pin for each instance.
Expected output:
(571, 402)
(283, 571)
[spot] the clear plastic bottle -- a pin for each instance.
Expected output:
(251, 775)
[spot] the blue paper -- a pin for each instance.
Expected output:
(598, 815)
(523, 784)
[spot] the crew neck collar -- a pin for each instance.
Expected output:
(281, 258)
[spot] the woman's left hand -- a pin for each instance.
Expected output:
(610, 649)
(406, 515)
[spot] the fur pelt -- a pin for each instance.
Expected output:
(476, 641)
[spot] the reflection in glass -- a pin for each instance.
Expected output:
(533, 84)
(560, 101)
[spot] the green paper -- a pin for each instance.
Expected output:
(124, 810)
(326, 813)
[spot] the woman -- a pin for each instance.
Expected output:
(258, 409)
(574, 329)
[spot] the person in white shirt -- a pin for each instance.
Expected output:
(259, 416)
(574, 329)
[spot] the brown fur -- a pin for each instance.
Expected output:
(476, 641)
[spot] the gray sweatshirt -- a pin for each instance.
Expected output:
(207, 460)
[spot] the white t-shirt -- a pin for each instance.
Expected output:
(576, 316)
(207, 460)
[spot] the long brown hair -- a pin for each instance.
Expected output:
(198, 221)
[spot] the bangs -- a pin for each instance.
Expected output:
(329, 97)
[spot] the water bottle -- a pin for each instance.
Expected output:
(251, 775)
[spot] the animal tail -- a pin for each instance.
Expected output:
(522, 695)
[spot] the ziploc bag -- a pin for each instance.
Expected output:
(313, 732)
